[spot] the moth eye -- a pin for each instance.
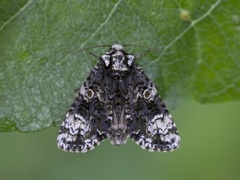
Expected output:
(146, 94)
(90, 94)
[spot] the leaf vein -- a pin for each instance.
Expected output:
(103, 23)
(193, 23)
(15, 15)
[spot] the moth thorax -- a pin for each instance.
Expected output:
(117, 47)
(119, 62)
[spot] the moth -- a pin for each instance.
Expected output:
(115, 102)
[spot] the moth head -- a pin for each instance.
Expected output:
(117, 59)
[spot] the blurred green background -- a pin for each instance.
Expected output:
(209, 149)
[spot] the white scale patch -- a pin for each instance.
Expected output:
(76, 125)
(170, 143)
(62, 138)
(160, 124)
(160, 127)
(106, 59)
(130, 60)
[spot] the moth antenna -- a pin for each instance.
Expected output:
(144, 52)
(135, 45)
(94, 55)
(107, 45)
(90, 47)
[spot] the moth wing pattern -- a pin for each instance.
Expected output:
(82, 128)
(118, 101)
(154, 128)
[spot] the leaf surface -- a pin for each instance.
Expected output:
(197, 54)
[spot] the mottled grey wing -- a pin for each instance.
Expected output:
(84, 125)
(153, 127)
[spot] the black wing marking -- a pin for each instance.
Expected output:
(153, 127)
(84, 125)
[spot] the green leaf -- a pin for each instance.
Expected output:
(197, 58)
